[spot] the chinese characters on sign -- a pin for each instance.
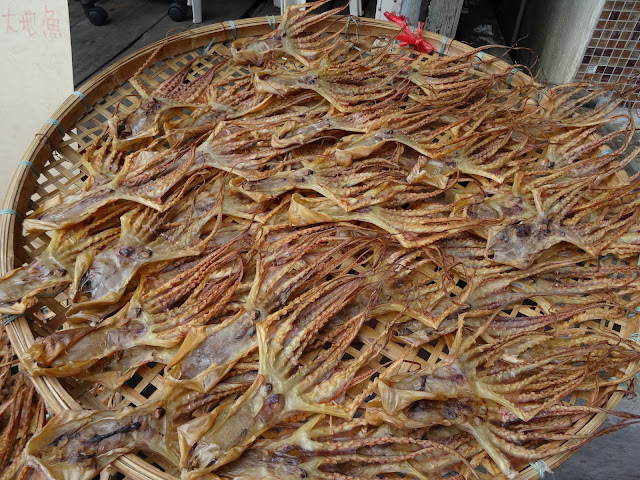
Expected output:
(31, 23)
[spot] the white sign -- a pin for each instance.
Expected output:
(37, 75)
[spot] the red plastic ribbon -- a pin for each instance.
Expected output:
(407, 37)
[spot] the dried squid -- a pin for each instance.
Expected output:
(55, 267)
(522, 377)
(171, 299)
(348, 260)
(22, 413)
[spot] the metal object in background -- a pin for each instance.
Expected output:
(178, 10)
(96, 15)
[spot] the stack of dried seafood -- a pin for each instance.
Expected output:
(353, 261)
(22, 413)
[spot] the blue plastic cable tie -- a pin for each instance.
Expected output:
(540, 467)
(477, 64)
(633, 314)
(513, 72)
(346, 27)
(55, 122)
(233, 29)
(622, 385)
(634, 276)
(272, 22)
(603, 258)
(11, 211)
(7, 319)
(206, 50)
(31, 166)
(50, 295)
(361, 51)
(443, 47)
(540, 94)
(84, 99)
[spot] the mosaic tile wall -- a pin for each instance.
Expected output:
(613, 53)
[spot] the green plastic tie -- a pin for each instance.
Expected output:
(540, 94)
(513, 72)
(206, 50)
(11, 211)
(84, 100)
(55, 122)
(346, 27)
(272, 22)
(31, 166)
(443, 47)
(541, 468)
(477, 64)
(7, 319)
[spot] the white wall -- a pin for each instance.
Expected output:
(36, 73)
(558, 31)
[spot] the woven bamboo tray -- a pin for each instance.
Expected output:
(52, 166)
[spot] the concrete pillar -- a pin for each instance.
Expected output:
(558, 32)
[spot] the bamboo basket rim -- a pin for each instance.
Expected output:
(24, 181)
